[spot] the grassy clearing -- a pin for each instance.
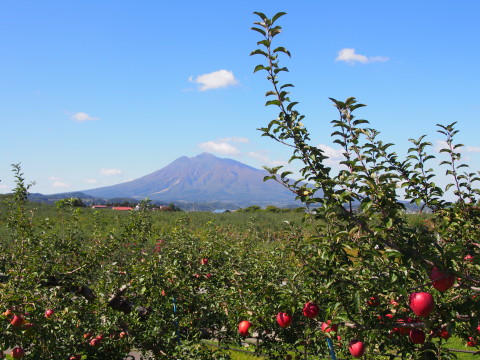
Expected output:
(456, 343)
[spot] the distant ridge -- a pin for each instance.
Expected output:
(204, 178)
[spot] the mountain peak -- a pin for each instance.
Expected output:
(205, 155)
(203, 178)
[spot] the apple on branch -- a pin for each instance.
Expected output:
(329, 327)
(243, 327)
(18, 352)
(442, 281)
(310, 310)
(421, 303)
(284, 319)
(417, 336)
(356, 348)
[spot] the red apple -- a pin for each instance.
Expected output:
(417, 336)
(373, 301)
(339, 338)
(28, 326)
(394, 302)
(478, 328)
(284, 319)
(243, 327)
(403, 330)
(87, 335)
(327, 327)
(18, 352)
(468, 258)
(49, 313)
(356, 348)
(8, 313)
(421, 303)
(95, 342)
(17, 321)
(75, 357)
(204, 261)
(388, 316)
(310, 310)
(472, 342)
(441, 281)
(444, 334)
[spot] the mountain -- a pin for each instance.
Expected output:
(203, 179)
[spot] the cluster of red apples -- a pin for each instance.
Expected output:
(18, 321)
(310, 310)
(421, 303)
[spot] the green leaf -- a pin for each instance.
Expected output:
(260, 67)
(277, 16)
(261, 15)
(276, 71)
(367, 205)
(259, 52)
(261, 31)
(273, 102)
(283, 50)
(389, 223)
(360, 121)
(291, 105)
(265, 43)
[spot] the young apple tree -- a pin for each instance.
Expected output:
(365, 247)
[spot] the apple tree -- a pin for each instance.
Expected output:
(368, 265)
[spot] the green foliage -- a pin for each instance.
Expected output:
(75, 202)
(161, 283)
(365, 247)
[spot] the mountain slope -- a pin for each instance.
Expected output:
(203, 178)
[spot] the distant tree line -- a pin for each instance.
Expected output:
(271, 208)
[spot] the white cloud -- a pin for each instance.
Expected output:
(81, 117)
(333, 154)
(471, 149)
(378, 59)
(348, 55)
(265, 160)
(110, 172)
(58, 182)
(214, 80)
(90, 181)
(236, 139)
(3, 187)
(442, 144)
(219, 148)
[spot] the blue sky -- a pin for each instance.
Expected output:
(94, 93)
